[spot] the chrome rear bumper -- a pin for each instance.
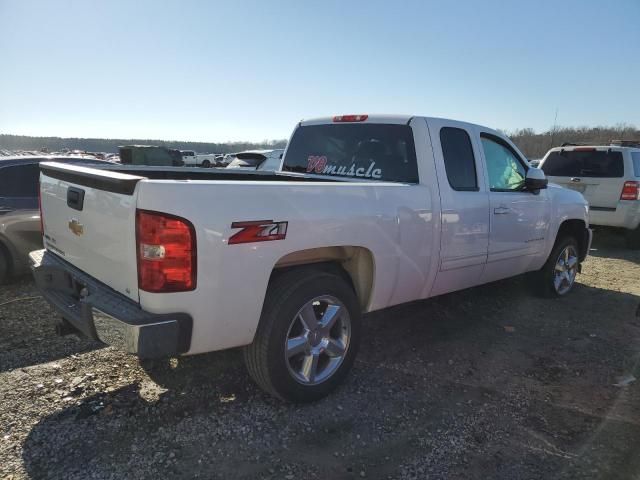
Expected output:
(105, 315)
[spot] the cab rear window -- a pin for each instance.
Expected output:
(383, 152)
(584, 163)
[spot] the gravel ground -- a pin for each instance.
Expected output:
(486, 383)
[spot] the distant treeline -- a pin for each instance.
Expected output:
(535, 145)
(110, 145)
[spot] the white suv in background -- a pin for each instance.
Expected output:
(268, 160)
(608, 177)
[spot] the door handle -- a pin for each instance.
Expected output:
(501, 210)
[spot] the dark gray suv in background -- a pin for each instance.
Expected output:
(19, 212)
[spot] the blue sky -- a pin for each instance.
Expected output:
(248, 70)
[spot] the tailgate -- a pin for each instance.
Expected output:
(599, 192)
(89, 220)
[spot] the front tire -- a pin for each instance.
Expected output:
(557, 277)
(308, 335)
(633, 239)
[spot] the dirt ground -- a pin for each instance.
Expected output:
(486, 383)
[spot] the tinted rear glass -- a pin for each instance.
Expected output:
(459, 161)
(592, 163)
(372, 151)
(20, 180)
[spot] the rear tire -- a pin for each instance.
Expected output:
(4, 266)
(289, 357)
(633, 239)
(206, 164)
(557, 277)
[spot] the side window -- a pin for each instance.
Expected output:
(459, 161)
(20, 181)
(506, 171)
(635, 158)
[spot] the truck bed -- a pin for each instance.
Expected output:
(196, 173)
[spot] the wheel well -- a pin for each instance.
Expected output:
(354, 264)
(576, 229)
(4, 251)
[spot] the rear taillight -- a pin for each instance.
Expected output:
(350, 118)
(166, 252)
(40, 208)
(630, 191)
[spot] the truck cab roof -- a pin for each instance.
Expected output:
(398, 119)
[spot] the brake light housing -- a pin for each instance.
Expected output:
(349, 118)
(630, 191)
(166, 252)
(40, 208)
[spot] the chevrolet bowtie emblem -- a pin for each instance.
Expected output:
(76, 227)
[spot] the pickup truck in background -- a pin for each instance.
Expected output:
(366, 212)
(206, 160)
(150, 155)
(608, 176)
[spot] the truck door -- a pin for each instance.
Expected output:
(519, 218)
(465, 206)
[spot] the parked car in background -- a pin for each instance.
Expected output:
(19, 216)
(226, 159)
(150, 155)
(535, 162)
(609, 178)
(366, 212)
(191, 158)
(267, 160)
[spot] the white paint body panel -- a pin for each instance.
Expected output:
(394, 222)
(425, 239)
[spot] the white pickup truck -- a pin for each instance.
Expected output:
(191, 158)
(366, 212)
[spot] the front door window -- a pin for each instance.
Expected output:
(506, 172)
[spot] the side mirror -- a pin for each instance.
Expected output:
(535, 180)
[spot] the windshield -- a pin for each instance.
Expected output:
(373, 151)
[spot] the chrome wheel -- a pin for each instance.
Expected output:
(565, 270)
(317, 340)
